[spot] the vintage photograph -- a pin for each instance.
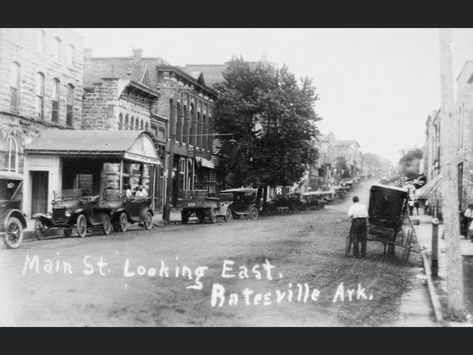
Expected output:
(236, 177)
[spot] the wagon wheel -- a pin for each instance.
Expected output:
(40, 229)
(348, 245)
(13, 233)
(148, 221)
(81, 226)
(106, 225)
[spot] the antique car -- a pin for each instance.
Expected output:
(388, 221)
(12, 220)
(131, 211)
(316, 199)
(290, 202)
(72, 211)
(246, 203)
(197, 204)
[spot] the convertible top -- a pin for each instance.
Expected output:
(242, 189)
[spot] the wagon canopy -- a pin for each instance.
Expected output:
(135, 146)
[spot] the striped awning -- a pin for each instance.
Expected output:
(431, 189)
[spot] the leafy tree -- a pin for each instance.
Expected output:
(409, 164)
(272, 119)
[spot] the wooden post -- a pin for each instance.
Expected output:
(448, 160)
(435, 241)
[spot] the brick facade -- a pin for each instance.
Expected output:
(56, 54)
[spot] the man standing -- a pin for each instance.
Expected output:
(359, 224)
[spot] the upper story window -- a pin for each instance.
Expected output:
(137, 124)
(146, 126)
(141, 125)
(57, 49)
(14, 87)
(125, 125)
(132, 123)
(11, 155)
(55, 100)
(41, 42)
(161, 133)
(70, 104)
(40, 95)
(120, 121)
(70, 55)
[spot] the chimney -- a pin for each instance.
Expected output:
(135, 67)
(87, 53)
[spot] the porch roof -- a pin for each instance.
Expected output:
(137, 146)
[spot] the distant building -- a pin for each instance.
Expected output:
(350, 150)
(41, 87)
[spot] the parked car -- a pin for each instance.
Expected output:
(198, 204)
(71, 211)
(131, 211)
(12, 220)
(246, 203)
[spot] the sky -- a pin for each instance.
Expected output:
(376, 86)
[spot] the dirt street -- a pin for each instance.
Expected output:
(280, 260)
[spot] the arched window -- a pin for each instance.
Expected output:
(147, 126)
(70, 104)
(137, 124)
(41, 42)
(120, 121)
(57, 49)
(15, 87)
(71, 54)
(55, 100)
(179, 122)
(192, 123)
(141, 125)
(132, 123)
(40, 95)
(205, 129)
(126, 122)
(11, 155)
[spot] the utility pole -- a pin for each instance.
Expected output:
(448, 158)
(169, 186)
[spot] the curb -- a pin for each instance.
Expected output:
(433, 295)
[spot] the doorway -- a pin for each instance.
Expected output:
(39, 193)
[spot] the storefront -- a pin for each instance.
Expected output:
(88, 163)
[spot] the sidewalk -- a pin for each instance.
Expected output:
(438, 290)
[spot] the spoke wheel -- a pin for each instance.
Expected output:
(13, 233)
(39, 229)
(148, 220)
(81, 226)
(123, 222)
(106, 225)
(253, 213)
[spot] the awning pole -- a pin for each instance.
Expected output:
(121, 177)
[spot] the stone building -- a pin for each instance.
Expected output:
(42, 87)
(183, 98)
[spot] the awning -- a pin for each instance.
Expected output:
(135, 146)
(205, 162)
(431, 189)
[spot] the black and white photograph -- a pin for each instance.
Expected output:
(236, 177)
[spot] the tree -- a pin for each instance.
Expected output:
(409, 164)
(272, 119)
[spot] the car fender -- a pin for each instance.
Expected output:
(78, 211)
(13, 213)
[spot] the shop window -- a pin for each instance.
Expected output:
(70, 105)
(11, 155)
(14, 87)
(182, 166)
(40, 95)
(55, 102)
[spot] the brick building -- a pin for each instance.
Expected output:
(42, 87)
(183, 96)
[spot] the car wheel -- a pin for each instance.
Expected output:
(253, 213)
(81, 226)
(106, 225)
(123, 222)
(148, 220)
(40, 229)
(13, 233)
